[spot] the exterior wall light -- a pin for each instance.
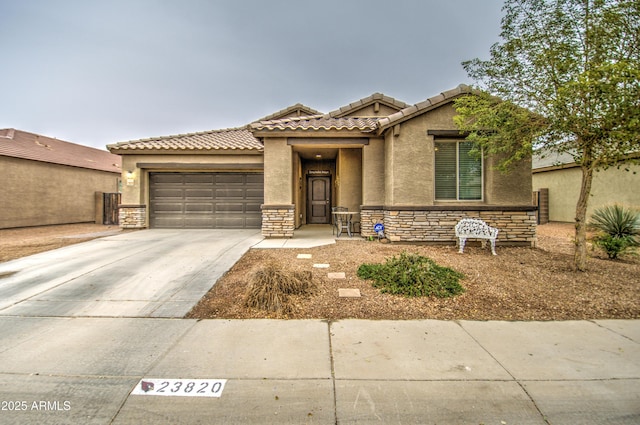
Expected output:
(130, 179)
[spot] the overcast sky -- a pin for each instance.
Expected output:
(96, 72)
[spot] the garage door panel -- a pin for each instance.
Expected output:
(198, 208)
(230, 222)
(198, 179)
(170, 222)
(254, 194)
(206, 200)
(230, 193)
(167, 194)
(199, 193)
(199, 222)
(230, 179)
(167, 178)
(256, 208)
(255, 178)
(255, 222)
(229, 208)
(166, 208)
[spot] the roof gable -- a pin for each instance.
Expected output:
(21, 144)
(376, 105)
(226, 139)
(423, 107)
(297, 110)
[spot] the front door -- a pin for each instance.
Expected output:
(318, 200)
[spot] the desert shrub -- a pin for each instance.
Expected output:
(619, 229)
(412, 275)
(271, 286)
(613, 245)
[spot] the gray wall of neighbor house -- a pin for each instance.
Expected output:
(38, 193)
(610, 186)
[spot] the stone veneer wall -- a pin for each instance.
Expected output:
(369, 216)
(278, 221)
(517, 225)
(132, 216)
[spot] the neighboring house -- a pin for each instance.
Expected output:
(405, 166)
(48, 181)
(562, 177)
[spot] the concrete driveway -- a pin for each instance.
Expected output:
(149, 273)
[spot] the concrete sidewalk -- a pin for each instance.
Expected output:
(315, 372)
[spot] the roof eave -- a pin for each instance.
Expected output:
(186, 151)
(312, 132)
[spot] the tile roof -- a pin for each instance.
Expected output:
(242, 138)
(21, 144)
(545, 159)
(225, 139)
(376, 97)
(422, 107)
(318, 122)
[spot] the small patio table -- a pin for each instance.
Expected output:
(344, 221)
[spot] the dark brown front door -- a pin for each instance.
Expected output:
(319, 200)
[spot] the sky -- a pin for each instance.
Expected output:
(96, 72)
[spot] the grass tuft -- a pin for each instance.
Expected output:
(271, 287)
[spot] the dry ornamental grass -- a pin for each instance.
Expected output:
(271, 286)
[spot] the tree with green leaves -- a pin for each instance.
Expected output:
(564, 79)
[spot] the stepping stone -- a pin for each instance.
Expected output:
(336, 275)
(348, 293)
(304, 256)
(321, 266)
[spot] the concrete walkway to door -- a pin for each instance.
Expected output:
(148, 273)
(308, 236)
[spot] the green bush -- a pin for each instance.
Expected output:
(412, 275)
(613, 245)
(619, 229)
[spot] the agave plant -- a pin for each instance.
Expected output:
(619, 229)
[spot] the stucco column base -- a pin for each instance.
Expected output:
(369, 217)
(132, 216)
(278, 221)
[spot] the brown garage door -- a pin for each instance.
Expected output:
(206, 200)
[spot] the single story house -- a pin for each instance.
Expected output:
(562, 177)
(47, 181)
(405, 166)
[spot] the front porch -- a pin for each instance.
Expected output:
(310, 179)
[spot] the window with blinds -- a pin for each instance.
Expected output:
(458, 174)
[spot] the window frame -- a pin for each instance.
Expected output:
(482, 172)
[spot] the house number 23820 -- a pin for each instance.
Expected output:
(180, 387)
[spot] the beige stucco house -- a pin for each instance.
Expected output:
(405, 166)
(561, 176)
(48, 181)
